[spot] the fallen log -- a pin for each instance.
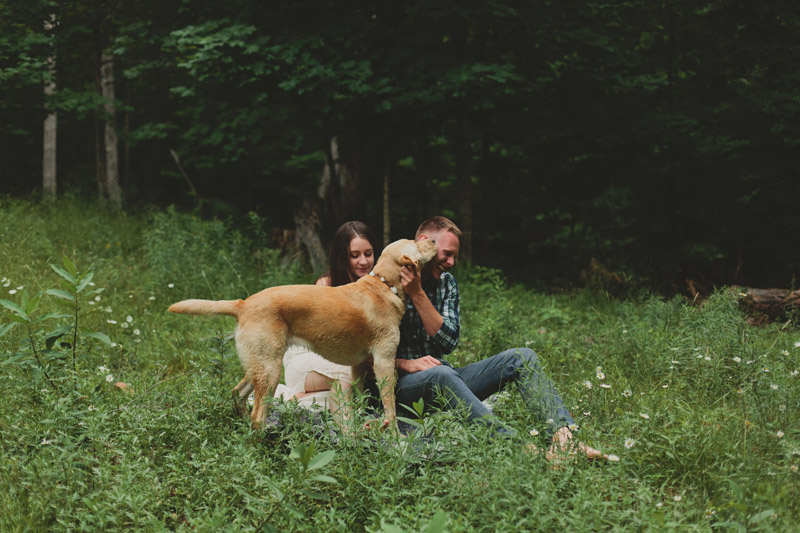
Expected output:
(774, 303)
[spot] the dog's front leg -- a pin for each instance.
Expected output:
(385, 377)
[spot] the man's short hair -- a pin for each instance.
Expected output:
(437, 224)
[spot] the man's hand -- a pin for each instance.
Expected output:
(410, 280)
(416, 365)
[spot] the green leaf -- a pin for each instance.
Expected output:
(759, 517)
(314, 495)
(410, 421)
(321, 459)
(51, 315)
(53, 336)
(85, 280)
(325, 479)
(70, 266)
(5, 329)
(58, 293)
(64, 274)
(294, 511)
(20, 319)
(275, 489)
(33, 303)
(15, 358)
(13, 307)
(437, 523)
(99, 336)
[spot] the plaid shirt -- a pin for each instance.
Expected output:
(414, 341)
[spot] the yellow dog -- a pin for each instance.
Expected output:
(347, 325)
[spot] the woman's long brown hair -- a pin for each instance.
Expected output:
(339, 271)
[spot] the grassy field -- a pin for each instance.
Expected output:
(701, 408)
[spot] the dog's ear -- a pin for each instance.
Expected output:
(407, 261)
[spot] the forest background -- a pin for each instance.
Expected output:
(660, 138)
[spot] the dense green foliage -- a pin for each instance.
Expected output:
(705, 402)
(660, 138)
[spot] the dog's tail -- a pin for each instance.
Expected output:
(207, 307)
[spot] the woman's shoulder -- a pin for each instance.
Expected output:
(323, 281)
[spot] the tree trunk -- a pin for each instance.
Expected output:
(49, 141)
(110, 133)
(308, 228)
(464, 185)
(387, 233)
(99, 149)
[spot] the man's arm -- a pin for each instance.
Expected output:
(442, 325)
(412, 285)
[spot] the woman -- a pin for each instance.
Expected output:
(310, 378)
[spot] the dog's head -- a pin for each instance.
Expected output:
(404, 252)
(412, 253)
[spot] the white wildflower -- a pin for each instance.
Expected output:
(44, 442)
(587, 384)
(665, 386)
(171, 285)
(677, 497)
(20, 287)
(797, 344)
(152, 298)
(96, 298)
(773, 386)
(645, 416)
(109, 378)
(534, 432)
(12, 291)
(102, 369)
(600, 375)
(137, 332)
(605, 386)
(660, 504)
(707, 358)
(737, 359)
(124, 324)
(627, 393)
(629, 443)
(573, 427)
(129, 319)
(785, 352)
(111, 321)
(780, 434)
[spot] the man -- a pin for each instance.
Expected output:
(430, 330)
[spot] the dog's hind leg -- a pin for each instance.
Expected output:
(261, 353)
(240, 394)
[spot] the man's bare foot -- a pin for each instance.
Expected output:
(564, 448)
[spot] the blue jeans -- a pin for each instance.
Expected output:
(451, 387)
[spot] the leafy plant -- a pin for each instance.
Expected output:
(48, 350)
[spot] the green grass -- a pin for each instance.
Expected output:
(701, 396)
